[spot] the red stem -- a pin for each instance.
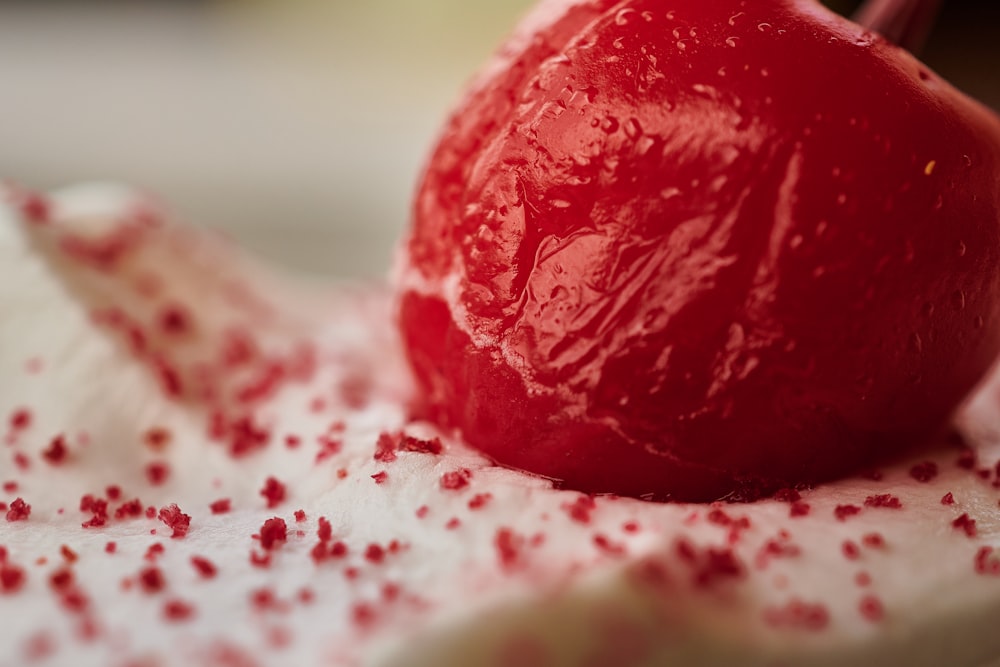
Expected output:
(906, 23)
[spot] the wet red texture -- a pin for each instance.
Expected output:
(799, 615)
(966, 524)
(176, 520)
(273, 491)
(273, 533)
(19, 510)
(672, 279)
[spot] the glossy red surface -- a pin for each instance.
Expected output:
(695, 250)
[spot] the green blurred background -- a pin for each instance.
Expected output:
(296, 126)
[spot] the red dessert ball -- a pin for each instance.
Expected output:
(695, 250)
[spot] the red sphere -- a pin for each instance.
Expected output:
(696, 250)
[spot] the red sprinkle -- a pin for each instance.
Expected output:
(273, 491)
(179, 522)
(456, 479)
(273, 533)
(966, 523)
(19, 510)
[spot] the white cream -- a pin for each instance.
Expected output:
(563, 600)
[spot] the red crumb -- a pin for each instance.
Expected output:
(967, 459)
(306, 596)
(873, 540)
(169, 376)
(221, 506)
(607, 546)
(206, 568)
(157, 438)
(10, 486)
(154, 552)
(863, 579)
(273, 491)
(151, 579)
(325, 530)
(262, 560)
(113, 492)
(292, 441)
(19, 510)
(178, 610)
(967, 524)
(580, 510)
(711, 565)
(871, 608)
(130, 509)
(851, 550)
(342, 473)
(948, 499)
(381, 477)
(246, 437)
(12, 578)
(68, 554)
(374, 554)
(453, 523)
(273, 533)
(56, 452)
(300, 516)
(385, 447)
(776, 548)
(456, 479)
(630, 527)
(987, 563)
(787, 495)
(509, 546)
(422, 511)
(798, 614)
(338, 549)
(157, 472)
(363, 614)
(842, 512)
(886, 500)
(21, 460)
(420, 446)
(20, 419)
(799, 509)
(151, 512)
(179, 522)
(480, 500)
(111, 547)
(924, 472)
(174, 320)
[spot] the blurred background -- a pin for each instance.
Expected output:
(296, 126)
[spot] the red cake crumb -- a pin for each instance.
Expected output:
(292, 441)
(22, 461)
(967, 524)
(842, 512)
(300, 516)
(178, 610)
(273, 491)
(176, 520)
(456, 479)
(948, 499)
(221, 506)
(111, 547)
(261, 560)
(20, 419)
(12, 578)
(873, 540)
(374, 554)
(245, 437)
(151, 512)
(630, 527)
(799, 509)
(863, 579)
(422, 511)
(509, 547)
(131, 509)
(453, 523)
(798, 614)
(56, 452)
(325, 530)
(421, 446)
(157, 472)
(886, 500)
(68, 554)
(385, 447)
(580, 510)
(924, 472)
(851, 550)
(154, 552)
(776, 548)
(157, 438)
(19, 510)
(787, 495)
(871, 608)
(306, 596)
(966, 459)
(604, 544)
(10, 486)
(39, 647)
(113, 492)
(363, 614)
(342, 473)
(151, 579)
(338, 549)
(381, 477)
(480, 500)
(273, 533)
(986, 563)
